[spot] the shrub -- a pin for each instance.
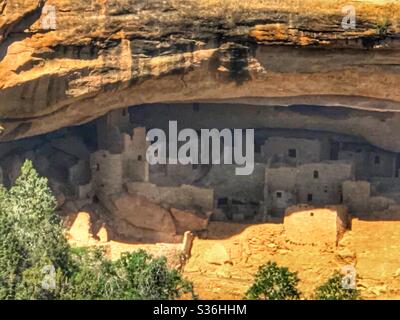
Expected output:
(382, 28)
(31, 238)
(150, 278)
(333, 290)
(135, 276)
(36, 261)
(274, 283)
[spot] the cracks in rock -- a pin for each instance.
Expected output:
(24, 22)
(183, 79)
(3, 4)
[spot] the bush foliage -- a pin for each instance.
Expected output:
(274, 283)
(36, 261)
(333, 289)
(135, 276)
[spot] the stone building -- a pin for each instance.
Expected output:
(364, 197)
(313, 183)
(305, 224)
(291, 167)
(294, 150)
(184, 197)
(107, 172)
(110, 128)
(280, 189)
(111, 170)
(121, 154)
(369, 162)
(321, 183)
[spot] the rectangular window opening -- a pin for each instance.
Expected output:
(292, 153)
(222, 202)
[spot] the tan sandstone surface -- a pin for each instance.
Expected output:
(104, 55)
(371, 246)
(223, 260)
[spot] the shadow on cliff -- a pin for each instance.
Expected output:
(231, 62)
(17, 29)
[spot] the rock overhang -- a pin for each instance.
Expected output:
(105, 56)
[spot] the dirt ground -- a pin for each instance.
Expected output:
(224, 260)
(373, 247)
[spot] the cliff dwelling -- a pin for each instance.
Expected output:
(304, 155)
(81, 89)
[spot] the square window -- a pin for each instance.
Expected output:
(309, 197)
(377, 160)
(222, 202)
(279, 195)
(292, 153)
(316, 174)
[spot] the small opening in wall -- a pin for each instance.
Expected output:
(377, 160)
(124, 112)
(326, 189)
(140, 158)
(292, 153)
(222, 202)
(196, 107)
(279, 195)
(237, 202)
(97, 167)
(312, 214)
(316, 174)
(309, 197)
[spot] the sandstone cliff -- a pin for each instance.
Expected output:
(102, 55)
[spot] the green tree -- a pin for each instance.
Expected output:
(150, 278)
(274, 283)
(31, 238)
(333, 289)
(36, 261)
(135, 276)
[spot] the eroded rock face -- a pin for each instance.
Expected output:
(189, 221)
(80, 232)
(141, 213)
(104, 55)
